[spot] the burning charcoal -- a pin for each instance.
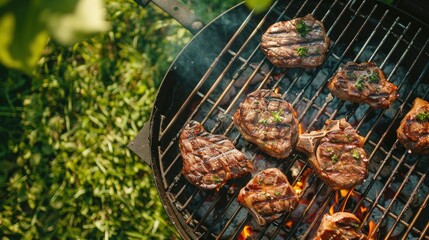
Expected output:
(340, 225)
(300, 42)
(210, 160)
(413, 133)
(268, 196)
(268, 121)
(336, 154)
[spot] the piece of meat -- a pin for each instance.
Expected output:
(300, 42)
(209, 160)
(268, 121)
(336, 154)
(413, 132)
(268, 196)
(340, 226)
(363, 83)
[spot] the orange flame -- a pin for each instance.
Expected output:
(371, 231)
(332, 209)
(277, 90)
(245, 233)
(363, 209)
(344, 192)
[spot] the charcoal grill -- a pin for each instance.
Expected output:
(223, 63)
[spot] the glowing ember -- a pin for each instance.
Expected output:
(298, 187)
(245, 233)
(277, 90)
(289, 224)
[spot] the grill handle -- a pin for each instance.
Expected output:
(140, 144)
(179, 12)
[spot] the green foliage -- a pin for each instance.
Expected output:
(65, 170)
(25, 27)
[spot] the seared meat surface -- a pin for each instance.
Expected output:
(339, 226)
(268, 196)
(210, 160)
(336, 154)
(300, 42)
(363, 83)
(413, 132)
(268, 121)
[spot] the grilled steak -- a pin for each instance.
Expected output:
(210, 160)
(413, 132)
(268, 121)
(268, 196)
(341, 226)
(363, 83)
(300, 42)
(336, 154)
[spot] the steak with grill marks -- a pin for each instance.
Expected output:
(268, 196)
(209, 160)
(363, 83)
(268, 121)
(300, 42)
(341, 226)
(413, 132)
(336, 154)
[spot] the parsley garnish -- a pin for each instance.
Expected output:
(277, 193)
(359, 84)
(373, 78)
(302, 28)
(424, 116)
(263, 121)
(355, 154)
(216, 179)
(302, 51)
(335, 158)
(277, 116)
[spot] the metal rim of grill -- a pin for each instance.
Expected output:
(359, 31)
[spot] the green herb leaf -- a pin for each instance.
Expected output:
(216, 179)
(359, 84)
(302, 51)
(302, 28)
(277, 116)
(335, 158)
(373, 78)
(424, 116)
(355, 154)
(263, 121)
(277, 193)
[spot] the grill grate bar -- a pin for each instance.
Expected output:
(206, 75)
(408, 203)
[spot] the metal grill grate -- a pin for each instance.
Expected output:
(395, 195)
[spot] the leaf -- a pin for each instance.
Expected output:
(25, 27)
(86, 18)
(259, 6)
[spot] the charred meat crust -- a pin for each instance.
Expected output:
(300, 42)
(268, 121)
(413, 132)
(363, 83)
(336, 154)
(268, 196)
(340, 225)
(209, 160)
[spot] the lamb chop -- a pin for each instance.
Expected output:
(210, 160)
(341, 226)
(413, 132)
(268, 196)
(336, 154)
(268, 121)
(300, 42)
(363, 83)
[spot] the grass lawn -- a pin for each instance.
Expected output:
(65, 170)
